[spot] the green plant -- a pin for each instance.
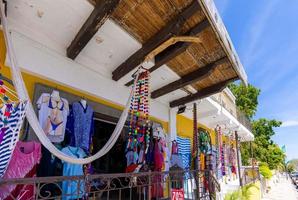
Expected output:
(242, 194)
(265, 171)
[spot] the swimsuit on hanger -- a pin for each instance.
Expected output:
(57, 104)
(54, 127)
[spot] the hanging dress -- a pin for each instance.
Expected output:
(25, 158)
(80, 125)
(71, 189)
(10, 131)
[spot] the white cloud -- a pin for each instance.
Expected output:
(255, 30)
(289, 123)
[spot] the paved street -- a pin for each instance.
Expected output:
(283, 190)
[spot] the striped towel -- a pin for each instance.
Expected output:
(11, 135)
(184, 150)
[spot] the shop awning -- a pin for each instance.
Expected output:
(108, 40)
(207, 66)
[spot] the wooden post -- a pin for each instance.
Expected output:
(195, 150)
(238, 158)
(252, 161)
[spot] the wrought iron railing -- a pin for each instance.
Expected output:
(140, 186)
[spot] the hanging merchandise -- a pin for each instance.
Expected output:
(204, 141)
(184, 151)
(139, 127)
(25, 158)
(52, 113)
(69, 169)
(81, 125)
(12, 114)
(232, 156)
(223, 159)
(176, 160)
(195, 149)
(219, 152)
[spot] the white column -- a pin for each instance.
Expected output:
(173, 123)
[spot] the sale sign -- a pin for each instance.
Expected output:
(177, 194)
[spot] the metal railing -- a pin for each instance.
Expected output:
(250, 174)
(133, 186)
(239, 115)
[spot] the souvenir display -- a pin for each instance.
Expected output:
(12, 114)
(139, 127)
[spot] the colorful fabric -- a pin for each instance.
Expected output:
(25, 157)
(81, 125)
(11, 132)
(70, 187)
(158, 156)
(52, 116)
(184, 150)
(174, 147)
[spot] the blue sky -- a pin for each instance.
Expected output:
(265, 35)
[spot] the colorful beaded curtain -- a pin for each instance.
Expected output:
(139, 126)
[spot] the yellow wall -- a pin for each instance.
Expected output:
(185, 128)
(31, 80)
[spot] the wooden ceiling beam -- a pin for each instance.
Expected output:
(102, 10)
(202, 93)
(187, 79)
(92, 2)
(171, 29)
(176, 49)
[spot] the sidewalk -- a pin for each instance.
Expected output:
(283, 190)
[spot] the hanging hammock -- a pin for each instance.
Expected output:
(32, 118)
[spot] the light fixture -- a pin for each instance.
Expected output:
(181, 109)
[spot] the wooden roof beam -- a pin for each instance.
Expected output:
(187, 79)
(176, 49)
(202, 93)
(171, 29)
(102, 10)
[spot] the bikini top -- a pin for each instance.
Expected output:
(57, 104)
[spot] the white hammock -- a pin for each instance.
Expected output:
(32, 118)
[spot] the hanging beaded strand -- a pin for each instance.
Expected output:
(139, 127)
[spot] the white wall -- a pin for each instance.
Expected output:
(41, 61)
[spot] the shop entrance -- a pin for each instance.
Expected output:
(114, 161)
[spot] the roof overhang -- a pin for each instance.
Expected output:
(208, 65)
(121, 34)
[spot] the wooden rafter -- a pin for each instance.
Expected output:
(187, 79)
(170, 42)
(92, 2)
(202, 93)
(176, 49)
(102, 10)
(173, 28)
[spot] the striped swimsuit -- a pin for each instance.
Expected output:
(11, 134)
